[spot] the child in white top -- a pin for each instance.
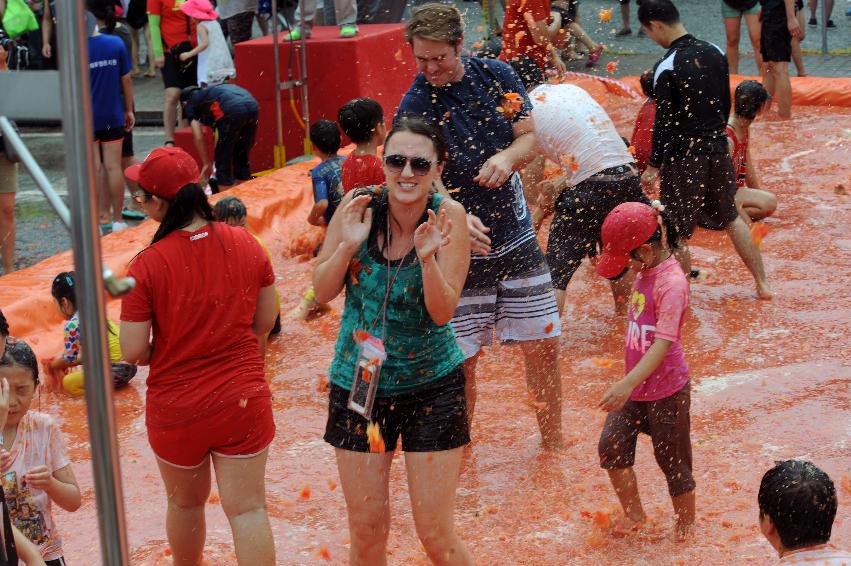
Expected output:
(215, 64)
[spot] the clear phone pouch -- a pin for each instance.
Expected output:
(371, 355)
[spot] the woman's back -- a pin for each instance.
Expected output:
(200, 289)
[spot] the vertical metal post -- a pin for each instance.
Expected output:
(824, 49)
(77, 128)
(279, 128)
(305, 112)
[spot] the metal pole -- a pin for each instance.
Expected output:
(77, 127)
(305, 114)
(824, 27)
(31, 165)
(279, 129)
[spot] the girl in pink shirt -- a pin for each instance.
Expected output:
(654, 397)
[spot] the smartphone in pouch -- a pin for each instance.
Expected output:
(371, 355)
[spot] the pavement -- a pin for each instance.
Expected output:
(40, 235)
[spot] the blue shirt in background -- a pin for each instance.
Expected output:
(108, 62)
(326, 178)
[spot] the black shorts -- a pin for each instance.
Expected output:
(699, 189)
(127, 145)
(579, 215)
(179, 74)
(430, 419)
(109, 135)
(667, 422)
(775, 39)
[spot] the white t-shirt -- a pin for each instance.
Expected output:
(575, 132)
(821, 555)
(38, 442)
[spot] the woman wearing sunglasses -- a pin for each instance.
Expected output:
(402, 253)
(207, 292)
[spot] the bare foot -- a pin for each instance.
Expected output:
(683, 531)
(626, 526)
(763, 291)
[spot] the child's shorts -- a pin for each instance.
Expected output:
(241, 429)
(667, 423)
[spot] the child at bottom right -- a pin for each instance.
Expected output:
(654, 396)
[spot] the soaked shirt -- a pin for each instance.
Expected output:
(516, 37)
(361, 170)
(739, 155)
(467, 112)
(642, 134)
(38, 442)
(657, 309)
(211, 104)
(325, 178)
(820, 555)
(691, 85)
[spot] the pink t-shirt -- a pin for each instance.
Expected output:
(821, 555)
(657, 308)
(39, 442)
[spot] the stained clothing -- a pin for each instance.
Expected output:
(211, 104)
(691, 84)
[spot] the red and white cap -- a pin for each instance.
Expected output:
(627, 227)
(164, 172)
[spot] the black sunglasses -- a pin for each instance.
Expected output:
(419, 165)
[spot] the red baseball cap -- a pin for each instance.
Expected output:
(627, 227)
(164, 172)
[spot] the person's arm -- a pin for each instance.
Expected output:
(201, 147)
(27, 551)
(46, 32)
(751, 179)
(264, 315)
(317, 213)
(135, 338)
(348, 229)
(203, 43)
(792, 21)
(61, 486)
(127, 91)
(496, 170)
(618, 394)
(156, 38)
(540, 34)
(443, 248)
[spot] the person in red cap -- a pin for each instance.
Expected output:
(654, 397)
(207, 291)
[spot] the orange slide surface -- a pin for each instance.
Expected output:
(770, 381)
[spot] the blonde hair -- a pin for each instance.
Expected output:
(437, 22)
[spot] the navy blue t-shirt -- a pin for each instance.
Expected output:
(326, 178)
(467, 114)
(108, 62)
(209, 105)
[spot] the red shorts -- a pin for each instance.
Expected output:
(239, 430)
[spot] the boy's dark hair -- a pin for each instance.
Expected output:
(751, 96)
(359, 117)
(229, 207)
(662, 11)
(64, 287)
(800, 500)
(4, 325)
(18, 353)
(646, 81)
(325, 136)
(103, 10)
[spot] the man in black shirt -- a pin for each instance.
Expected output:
(779, 26)
(690, 158)
(232, 111)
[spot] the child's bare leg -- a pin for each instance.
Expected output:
(582, 37)
(626, 488)
(684, 511)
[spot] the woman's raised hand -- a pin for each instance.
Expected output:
(432, 235)
(357, 220)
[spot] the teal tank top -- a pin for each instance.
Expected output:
(418, 351)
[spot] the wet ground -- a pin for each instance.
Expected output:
(770, 381)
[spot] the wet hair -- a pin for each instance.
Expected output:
(751, 96)
(380, 195)
(359, 117)
(189, 201)
(17, 353)
(662, 11)
(670, 233)
(103, 10)
(64, 287)
(437, 22)
(325, 136)
(229, 208)
(646, 81)
(800, 500)
(4, 325)
(529, 72)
